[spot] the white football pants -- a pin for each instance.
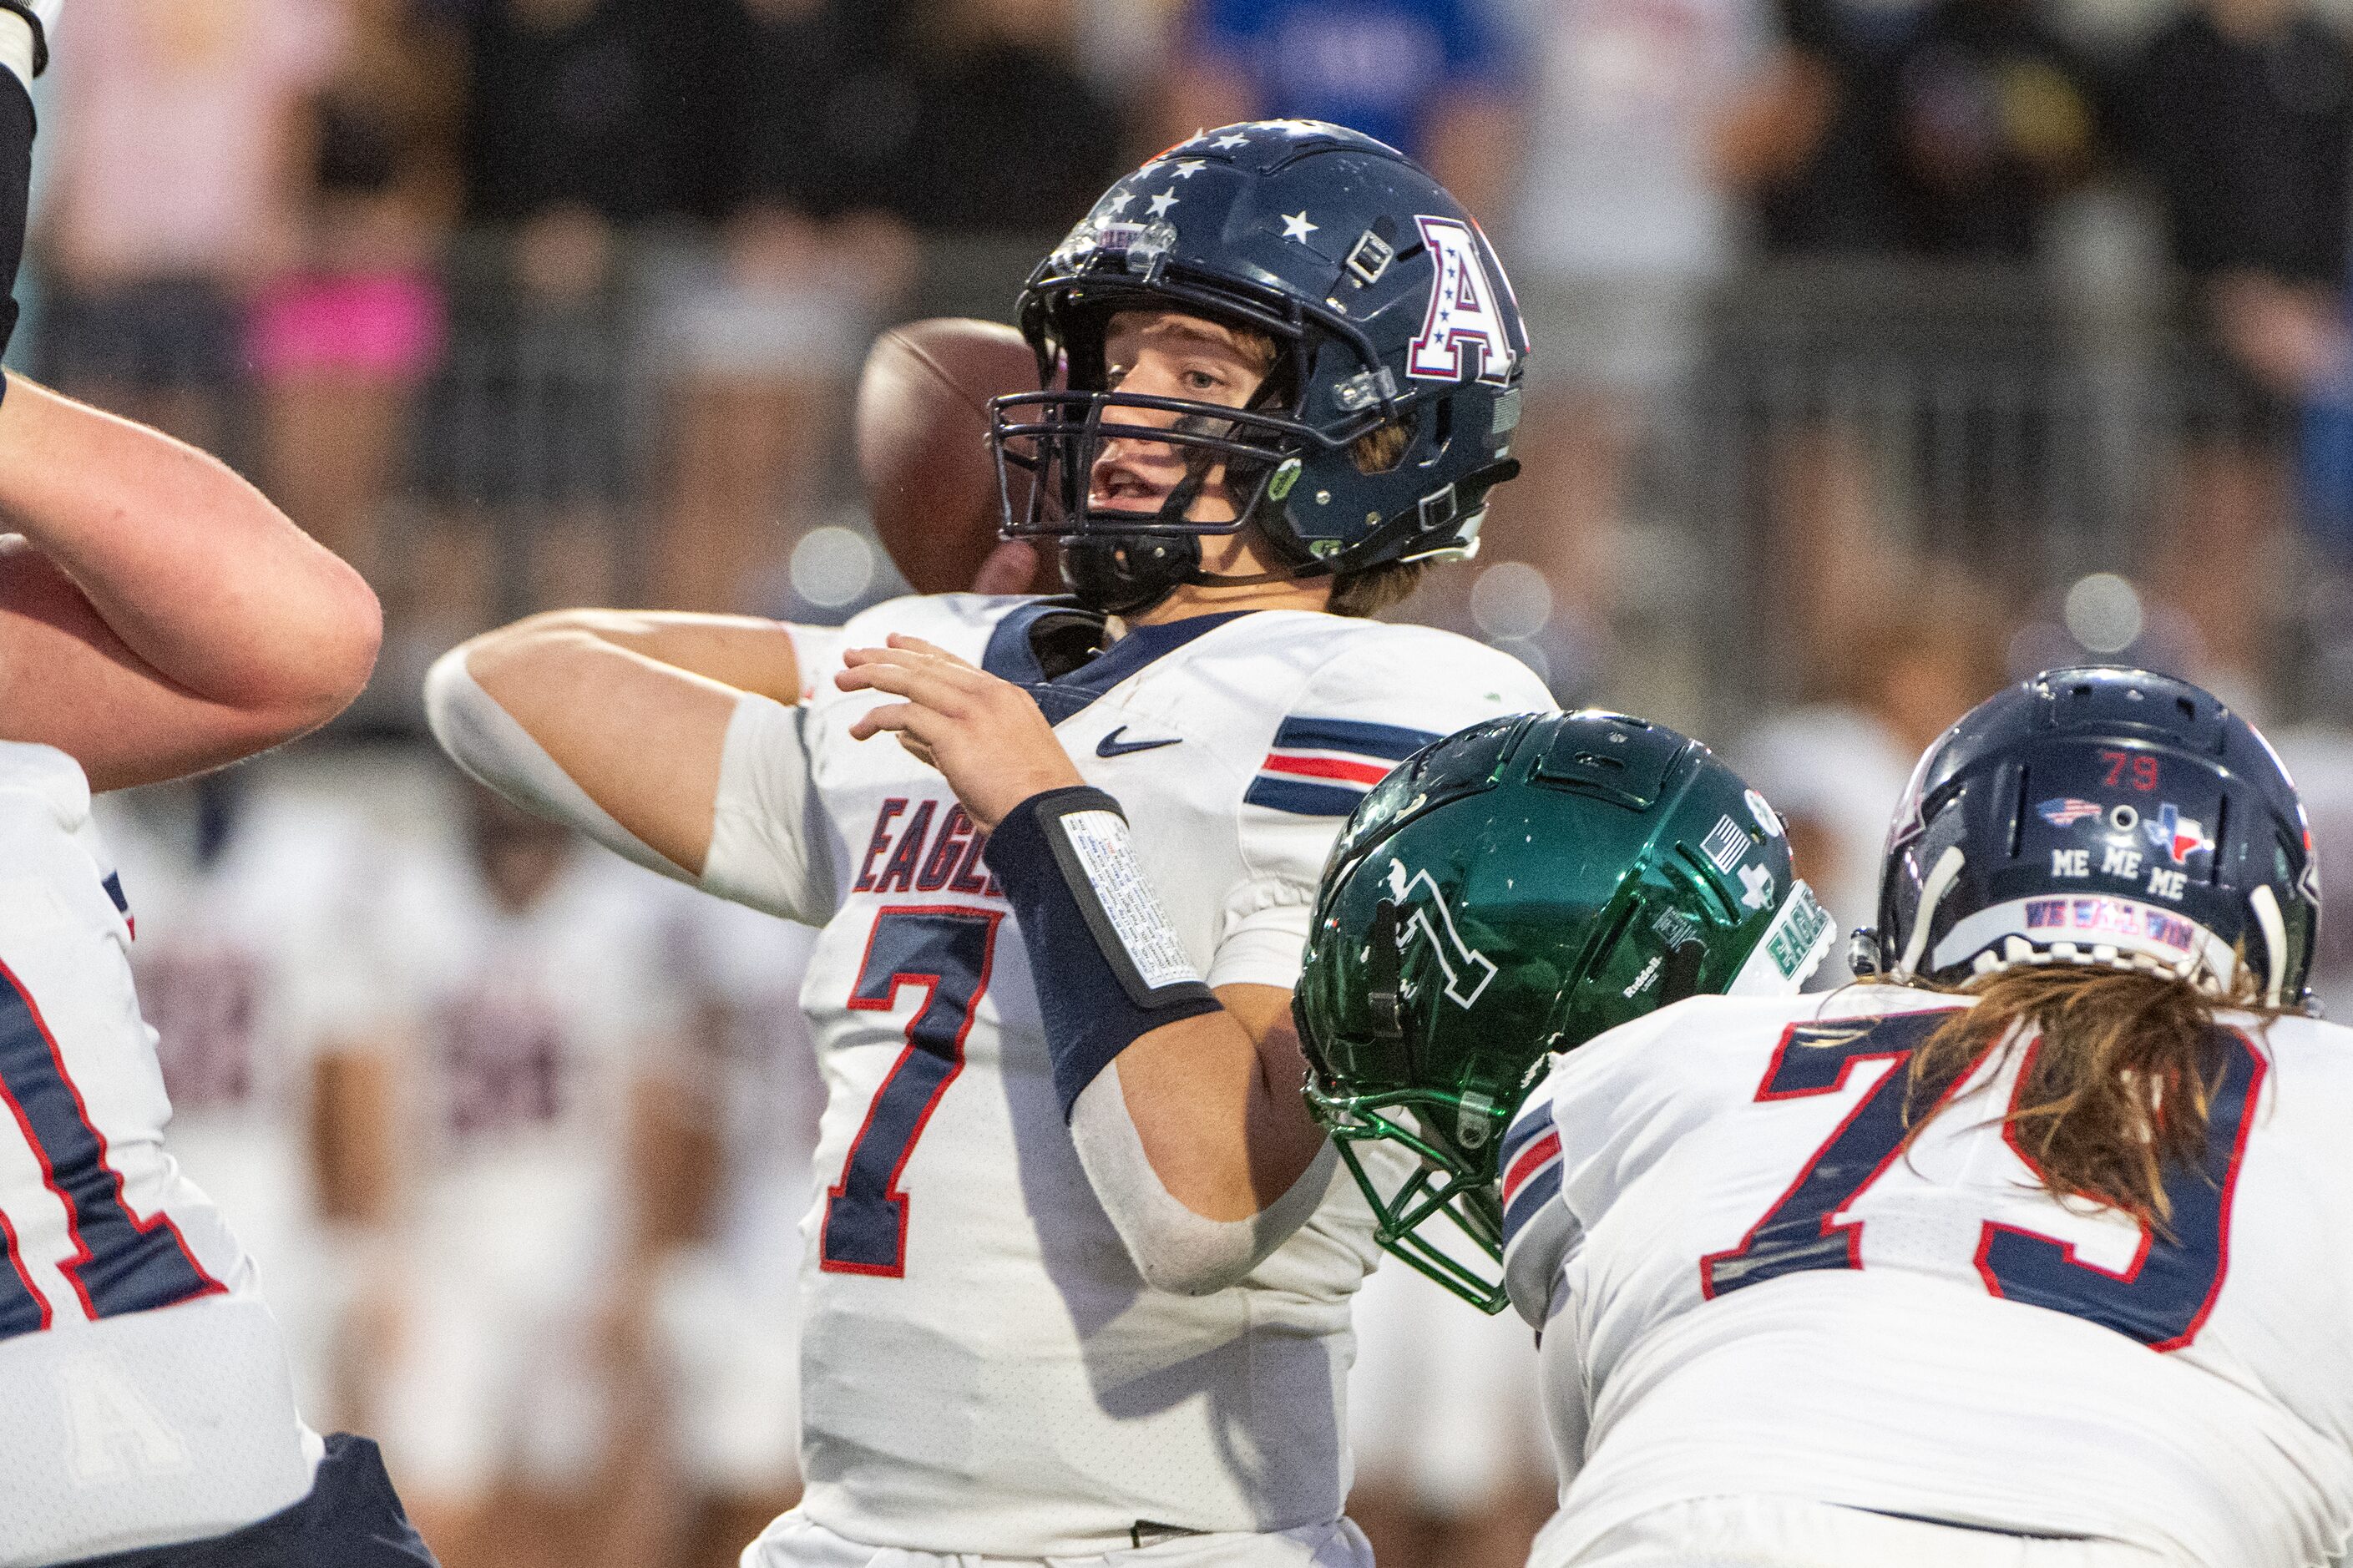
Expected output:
(1788, 1533)
(795, 1541)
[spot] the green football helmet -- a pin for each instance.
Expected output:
(1505, 894)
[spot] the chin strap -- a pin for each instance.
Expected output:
(1199, 579)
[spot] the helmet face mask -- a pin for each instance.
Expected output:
(1384, 307)
(1442, 1182)
(1506, 894)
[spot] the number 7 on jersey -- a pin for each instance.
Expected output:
(947, 950)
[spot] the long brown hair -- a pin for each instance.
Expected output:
(2121, 1068)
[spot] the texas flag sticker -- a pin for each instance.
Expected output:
(2175, 836)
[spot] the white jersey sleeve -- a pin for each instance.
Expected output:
(1567, 1149)
(763, 851)
(817, 653)
(1386, 693)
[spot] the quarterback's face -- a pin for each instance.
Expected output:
(1163, 353)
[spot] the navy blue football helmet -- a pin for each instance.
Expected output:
(1385, 306)
(2101, 816)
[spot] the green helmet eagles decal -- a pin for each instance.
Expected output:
(1505, 894)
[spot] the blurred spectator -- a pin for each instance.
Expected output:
(340, 345)
(584, 103)
(847, 127)
(1009, 137)
(1942, 129)
(2240, 112)
(952, 116)
(175, 196)
(1617, 227)
(1835, 767)
(582, 116)
(1810, 140)
(1430, 78)
(241, 886)
(1995, 117)
(1123, 45)
(727, 1300)
(538, 1020)
(760, 341)
(760, 335)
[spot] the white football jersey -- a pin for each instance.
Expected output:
(239, 959)
(984, 1371)
(147, 1398)
(1745, 1289)
(246, 965)
(524, 1029)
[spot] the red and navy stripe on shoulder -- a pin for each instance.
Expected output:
(1531, 1164)
(1322, 767)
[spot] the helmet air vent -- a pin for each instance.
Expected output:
(1384, 976)
(1623, 760)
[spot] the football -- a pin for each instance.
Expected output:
(920, 427)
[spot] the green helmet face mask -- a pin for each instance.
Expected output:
(1505, 894)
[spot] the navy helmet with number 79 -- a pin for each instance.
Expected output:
(2101, 816)
(1385, 306)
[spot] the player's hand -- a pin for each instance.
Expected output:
(983, 733)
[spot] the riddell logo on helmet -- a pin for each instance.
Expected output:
(1465, 310)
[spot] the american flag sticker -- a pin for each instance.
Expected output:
(2065, 811)
(1725, 843)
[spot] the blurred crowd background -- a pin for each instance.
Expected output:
(1884, 350)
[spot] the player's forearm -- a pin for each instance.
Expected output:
(1218, 1115)
(577, 727)
(1182, 1102)
(748, 653)
(202, 581)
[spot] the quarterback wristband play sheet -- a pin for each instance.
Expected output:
(1110, 967)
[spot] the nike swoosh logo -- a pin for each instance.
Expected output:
(1112, 746)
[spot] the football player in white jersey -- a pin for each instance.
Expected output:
(1078, 1269)
(248, 888)
(1502, 895)
(736, 1185)
(2029, 1248)
(537, 1013)
(157, 617)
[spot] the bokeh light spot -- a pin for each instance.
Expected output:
(1511, 601)
(2104, 613)
(832, 566)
